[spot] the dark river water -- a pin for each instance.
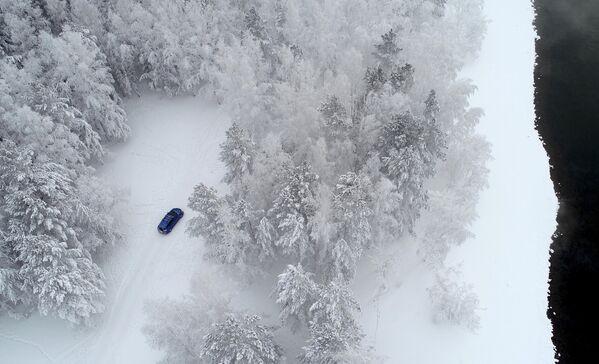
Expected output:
(567, 107)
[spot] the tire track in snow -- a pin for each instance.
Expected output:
(161, 163)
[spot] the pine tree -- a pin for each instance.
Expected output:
(265, 240)
(435, 139)
(237, 152)
(56, 271)
(333, 330)
(208, 223)
(375, 79)
(351, 208)
(227, 225)
(454, 302)
(387, 51)
(295, 292)
(336, 306)
(408, 159)
(77, 72)
(293, 210)
(431, 106)
(402, 78)
(241, 340)
(336, 122)
(328, 345)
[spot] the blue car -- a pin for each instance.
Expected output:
(170, 220)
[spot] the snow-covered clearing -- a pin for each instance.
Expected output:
(173, 145)
(507, 262)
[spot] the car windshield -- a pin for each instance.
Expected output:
(171, 214)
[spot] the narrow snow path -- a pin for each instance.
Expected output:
(173, 146)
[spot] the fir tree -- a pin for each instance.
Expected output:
(402, 78)
(295, 292)
(387, 51)
(56, 272)
(351, 206)
(336, 306)
(293, 210)
(237, 152)
(454, 302)
(241, 341)
(408, 157)
(336, 121)
(375, 79)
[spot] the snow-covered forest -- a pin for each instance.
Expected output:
(352, 149)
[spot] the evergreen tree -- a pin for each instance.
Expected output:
(336, 122)
(77, 72)
(56, 272)
(221, 222)
(375, 79)
(431, 106)
(295, 292)
(351, 208)
(293, 210)
(241, 341)
(231, 229)
(387, 51)
(402, 78)
(333, 330)
(408, 157)
(336, 306)
(237, 152)
(329, 345)
(454, 302)
(265, 239)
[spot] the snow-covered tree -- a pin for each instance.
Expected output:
(295, 292)
(22, 20)
(77, 71)
(178, 327)
(293, 210)
(351, 209)
(409, 149)
(375, 79)
(336, 306)
(454, 302)
(265, 238)
(386, 51)
(335, 117)
(55, 272)
(237, 152)
(402, 78)
(241, 340)
(222, 223)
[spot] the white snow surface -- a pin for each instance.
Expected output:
(508, 260)
(174, 145)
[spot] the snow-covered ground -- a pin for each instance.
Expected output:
(174, 145)
(507, 262)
